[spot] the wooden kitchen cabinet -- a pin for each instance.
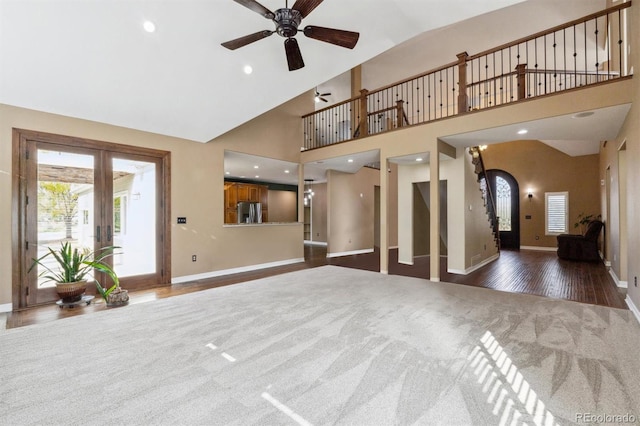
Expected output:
(243, 192)
(254, 193)
(235, 192)
(230, 196)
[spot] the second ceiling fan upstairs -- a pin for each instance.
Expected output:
(287, 22)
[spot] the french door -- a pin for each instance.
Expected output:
(92, 195)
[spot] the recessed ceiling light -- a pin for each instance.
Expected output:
(523, 131)
(419, 159)
(247, 69)
(583, 114)
(149, 26)
(257, 176)
(256, 167)
(227, 173)
(350, 160)
(286, 171)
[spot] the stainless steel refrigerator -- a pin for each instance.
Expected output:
(249, 212)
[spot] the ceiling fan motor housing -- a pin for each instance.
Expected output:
(287, 21)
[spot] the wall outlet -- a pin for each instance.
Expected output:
(194, 258)
(182, 220)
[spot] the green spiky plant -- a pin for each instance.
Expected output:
(74, 265)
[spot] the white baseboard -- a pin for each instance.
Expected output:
(349, 253)
(620, 284)
(607, 263)
(474, 267)
(538, 248)
(205, 275)
(6, 307)
(316, 243)
(633, 308)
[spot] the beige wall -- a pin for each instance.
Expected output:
(319, 213)
(469, 239)
(611, 171)
(351, 209)
(479, 241)
(545, 169)
(419, 139)
(282, 206)
(631, 134)
(196, 187)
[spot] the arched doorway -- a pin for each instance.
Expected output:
(505, 190)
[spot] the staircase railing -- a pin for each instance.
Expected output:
(586, 51)
(494, 220)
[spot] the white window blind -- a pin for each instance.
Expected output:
(556, 212)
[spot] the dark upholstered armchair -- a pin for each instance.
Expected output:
(581, 247)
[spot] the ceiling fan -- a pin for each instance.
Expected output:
(320, 96)
(287, 22)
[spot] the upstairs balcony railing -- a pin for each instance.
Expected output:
(580, 53)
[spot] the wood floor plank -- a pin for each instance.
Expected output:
(517, 271)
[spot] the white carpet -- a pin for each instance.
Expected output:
(328, 345)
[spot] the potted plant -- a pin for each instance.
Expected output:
(583, 221)
(114, 295)
(73, 265)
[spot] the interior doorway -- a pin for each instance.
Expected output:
(92, 195)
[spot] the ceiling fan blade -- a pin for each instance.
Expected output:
(306, 6)
(342, 38)
(294, 56)
(325, 94)
(323, 100)
(243, 41)
(256, 7)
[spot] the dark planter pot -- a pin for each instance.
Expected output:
(71, 292)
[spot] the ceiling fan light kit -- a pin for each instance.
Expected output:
(287, 21)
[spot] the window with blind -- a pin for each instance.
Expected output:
(556, 207)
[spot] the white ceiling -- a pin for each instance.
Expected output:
(574, 134)
(92, 59)
(252, 167)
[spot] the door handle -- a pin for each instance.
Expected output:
(98, 233)
(108, 233)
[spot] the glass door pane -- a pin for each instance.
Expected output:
(134, 217)
(65, 204)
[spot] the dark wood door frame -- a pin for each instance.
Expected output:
(508, 239)
(21, 265)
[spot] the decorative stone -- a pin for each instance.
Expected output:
(118, 297)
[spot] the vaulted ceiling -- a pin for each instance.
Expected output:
(93, 60)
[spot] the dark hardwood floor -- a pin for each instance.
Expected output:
(531, 272)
